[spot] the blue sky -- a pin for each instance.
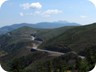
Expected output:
(34, 11)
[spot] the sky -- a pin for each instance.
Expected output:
(34, 11)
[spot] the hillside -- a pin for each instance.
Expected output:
(16, 41)
(77, 38)
(44, 25)
(74, 47)
(81, 40)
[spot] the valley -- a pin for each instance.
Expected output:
(69, 48)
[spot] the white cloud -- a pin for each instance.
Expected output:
(35, 5)
(93, 2)
(30, 14)
(2, 2)
(21, 14)
(46, 13)
(50, 12)
(83, 16)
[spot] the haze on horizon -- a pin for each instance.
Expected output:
(34, 11)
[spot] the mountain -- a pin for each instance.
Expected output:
(14, 44)
(55, 24)
(19, 38)
(44, 25)
(23, 34)
(81, 40)
(77, 38)
(69, 48)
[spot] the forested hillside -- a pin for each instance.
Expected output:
(71, 48)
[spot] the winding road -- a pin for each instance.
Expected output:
(51, 53)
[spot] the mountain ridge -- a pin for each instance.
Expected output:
(41, 25)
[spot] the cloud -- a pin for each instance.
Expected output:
(2, 2)
(21, 14)
(46, 13)
(93, 2)
(35, 5)
(30, 14)
(83, 16)
(50, 12)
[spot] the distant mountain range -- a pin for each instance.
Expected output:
(44, 25)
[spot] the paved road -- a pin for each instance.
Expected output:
(52, 53)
